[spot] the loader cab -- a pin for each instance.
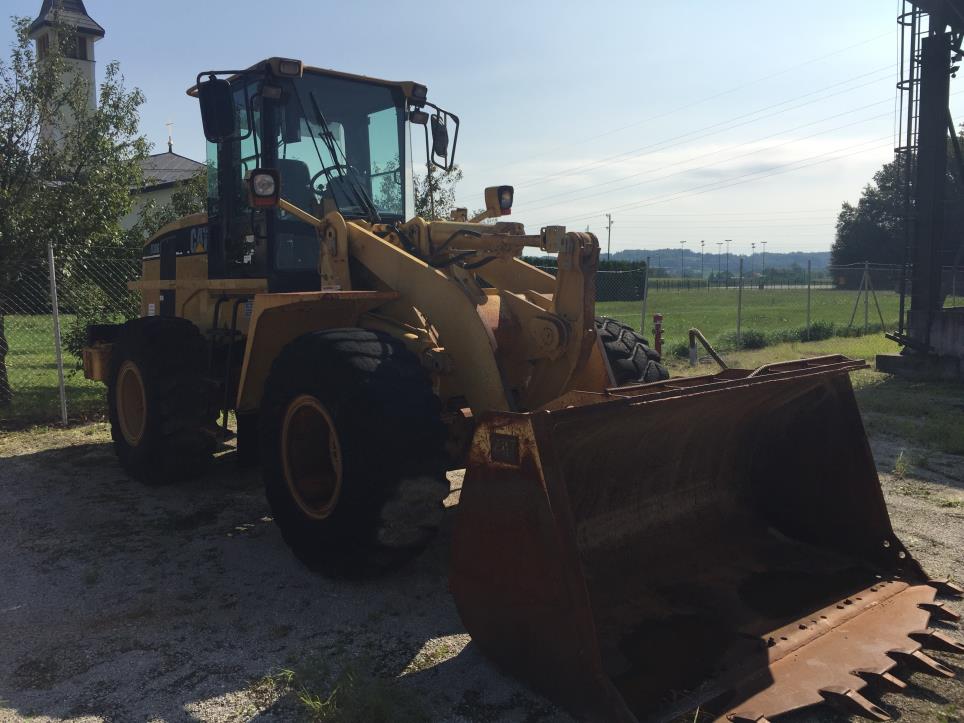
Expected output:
(337, 141)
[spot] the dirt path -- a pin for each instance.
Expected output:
(124, 602)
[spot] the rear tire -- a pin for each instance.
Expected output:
(161, 418)
(629, 354)
(352, 450)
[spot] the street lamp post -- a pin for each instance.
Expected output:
(682, 267)
(763, 263)
(728, 263)
(702, 251)
(719, 261)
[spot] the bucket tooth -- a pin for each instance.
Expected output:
(882, 681)
(946, 587)
(921, 663)
(939, 611)
(937, 640)
(851, 702)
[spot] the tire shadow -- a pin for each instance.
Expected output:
(128, 601)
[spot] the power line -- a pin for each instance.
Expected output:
(641, 149)
(726, 183)
(705, 166)
(692, 104)
(738, 180)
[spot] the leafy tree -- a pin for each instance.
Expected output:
(188, 197)
(70, 187)
(873, 228)
(435, 193)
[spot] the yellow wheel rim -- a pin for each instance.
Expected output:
(131, 403)
(311, 456)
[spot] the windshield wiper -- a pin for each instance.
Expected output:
(328, 138)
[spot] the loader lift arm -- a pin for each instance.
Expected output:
(512, 349)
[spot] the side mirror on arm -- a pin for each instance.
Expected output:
(439, 153)
(217, 109)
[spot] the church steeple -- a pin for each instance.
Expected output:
(67, 12)
(77, 47)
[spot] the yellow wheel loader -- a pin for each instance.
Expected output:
(632, 546)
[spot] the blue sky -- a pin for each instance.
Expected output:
(694, 120)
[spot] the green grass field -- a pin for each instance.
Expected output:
(33, 371)
(714, 311)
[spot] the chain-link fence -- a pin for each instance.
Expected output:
(840, 300)
(88, 290)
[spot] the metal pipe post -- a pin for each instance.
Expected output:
(642, 316)
(58, 352)
(739, 307)
(727, 277)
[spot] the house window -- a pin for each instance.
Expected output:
(43, 46)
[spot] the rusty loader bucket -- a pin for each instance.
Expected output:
(718, 541)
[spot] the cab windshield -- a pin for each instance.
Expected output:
(342, 140)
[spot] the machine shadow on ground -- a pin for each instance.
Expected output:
(124, 601)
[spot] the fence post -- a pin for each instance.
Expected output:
(808, 299)
(55, 308)
(642, 317)
(739, 308)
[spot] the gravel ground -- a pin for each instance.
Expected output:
(124, 602)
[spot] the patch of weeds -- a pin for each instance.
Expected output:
(265, 691)
(953, 504)
(680, 350)
(945, 431)
(915, 490)
(900, 466)
(359, 697)
(749, 339)
(948, 714)
(819, 331)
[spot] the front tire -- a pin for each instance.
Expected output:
(349, 427)
(161, 418)
(629, 354)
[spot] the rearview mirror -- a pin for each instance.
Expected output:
(439, 154)
(440, 138)
(217, 109)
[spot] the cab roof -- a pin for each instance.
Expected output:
(406, 86)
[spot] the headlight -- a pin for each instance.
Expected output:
(290, 68)
(264, 188)
(264, 185)
(505, 198)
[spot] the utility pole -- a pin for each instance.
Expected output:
(702, 251)
(752, 253)
(719, 261)
(728, 263)
(609, 236)
(682, 267)
(763, 263)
